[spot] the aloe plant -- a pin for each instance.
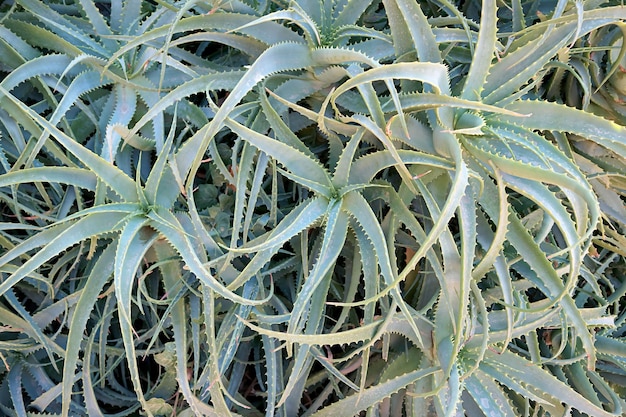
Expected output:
(309, 208)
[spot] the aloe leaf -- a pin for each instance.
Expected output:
(215, 387)
(333, 241)
(503, 274)
(198, 230)
(292, 15)
(160, 188)
(346, 160)
(55, 241)
(407, 21)
(316, 10)
(580, 381)
(215, 81)
(539, 147)
(40, 66)
(365, 168)
(301, 165)
(131, 248)
(124, 108)
(454, 284)
(245, 44)
(424, 101)
(290, 398)
(402, 215)
(41, 37)
(136, 141)
(281, 130)
(84, 82)
(305, 354)
(81, 84)
(101, 272)
(359, 209)
(46, 315)
(95, 18)
(534, 382)
(14, 378)
(34, 330)
(516, 68)
(172, 279)
(293, 223)
(494, 240)
(243, 171)
(298, 219)
(384, 138)
(269, 32)
(532, 255)
(274, 375)
(166, 223)
(255, 191)
(434, 74)
(281, 57)
(528, 170)
(91, 404)
(430, 73)
(131, 14)
(372, 396)
(350, 13)
(62, 25)
(329, 123)
(544, 115)
(458, 186)
(231, 330)
(112, 176)
(16, 50)
(483, 53)
(357, 206)
(466, 214)
(395, 323)
(488, 395)
(14, 320)
(18, 118)
(554, 208)
(539, 315)
(63, 175)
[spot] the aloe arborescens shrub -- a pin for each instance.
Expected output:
(309, 208)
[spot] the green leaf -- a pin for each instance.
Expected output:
(40, 66)
(535, 383)
(407, 21)
(62, 25)
(312, 173)
(333, 241)
(172, 230)
(72, 176)
(543, 115)
(489, 396)
(131, 249)
(350, 13)
(510, 73)
(483, 53)
(269, 33)
(111, 175)
(281, 57)
(298, 219)
(369, 397)
(101, 272)
(55, 240)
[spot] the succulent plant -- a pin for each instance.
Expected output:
(311, 208)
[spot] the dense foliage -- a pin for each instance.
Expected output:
(312, 207)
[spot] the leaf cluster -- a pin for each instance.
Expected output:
(312, 207)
